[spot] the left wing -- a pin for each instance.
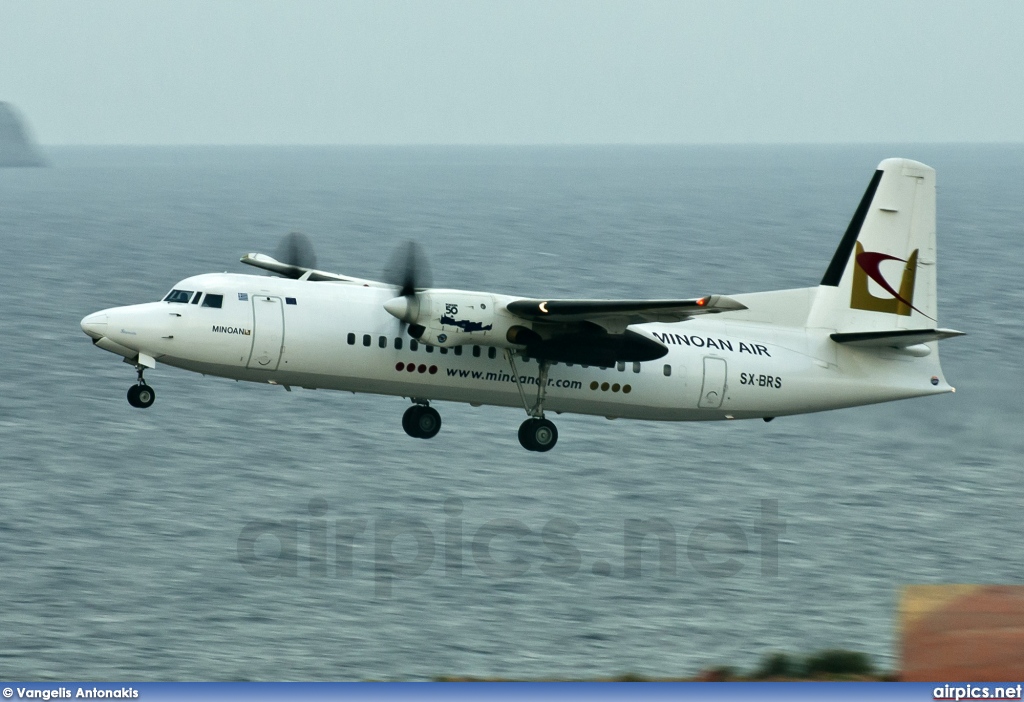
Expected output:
(288, 270)
(615, 315)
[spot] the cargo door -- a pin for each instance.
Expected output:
(712, 392)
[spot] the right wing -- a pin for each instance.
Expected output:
(615, 315)
(595, 331)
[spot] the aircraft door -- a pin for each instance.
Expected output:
(267, 333)
(712, 392)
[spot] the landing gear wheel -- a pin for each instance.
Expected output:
(428, 423)
(538, 434)
(409, 421)
(141, 396)
(421, 422)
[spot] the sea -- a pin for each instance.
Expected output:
(238, 531)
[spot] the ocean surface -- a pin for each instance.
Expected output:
(238, 531)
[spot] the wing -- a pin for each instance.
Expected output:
(615, 315)
(595, 331)
(298, 272)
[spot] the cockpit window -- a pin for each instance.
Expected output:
(181, 296)
(212, 300)
(195, 300)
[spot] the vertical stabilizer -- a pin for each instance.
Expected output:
(882, 276)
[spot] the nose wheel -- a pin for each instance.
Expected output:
(141, 395)
(421, 422)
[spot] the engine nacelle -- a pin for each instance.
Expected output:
(451, 317)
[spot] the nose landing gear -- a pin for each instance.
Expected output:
(141, 395)
(421, 421)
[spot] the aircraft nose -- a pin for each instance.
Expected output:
(95, 325)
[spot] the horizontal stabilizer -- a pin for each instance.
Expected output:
(897, 339)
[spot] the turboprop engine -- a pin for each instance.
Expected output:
(452, 318)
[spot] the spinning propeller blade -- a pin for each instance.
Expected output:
(409, 272)
(296, 249)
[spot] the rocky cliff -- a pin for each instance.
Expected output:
(16, 147)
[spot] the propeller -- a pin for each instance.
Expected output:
(296, 249)
(407, 270)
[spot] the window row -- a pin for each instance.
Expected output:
(621, 365)
(398, 343)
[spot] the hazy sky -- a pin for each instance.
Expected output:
(380, 72)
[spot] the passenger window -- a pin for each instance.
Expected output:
(213, 300)
(367, 340)
(181, 296)
(382, 342)
(476, 352)
(413, 345)
(195, 300)
(457, 350)
(398, 343)
(668, 370)
(492, 352)
(351, 339)
(636, 366)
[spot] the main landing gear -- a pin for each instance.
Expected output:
(536, 433)
(421, 421)
(141, 395)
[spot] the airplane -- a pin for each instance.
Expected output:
(867, 333)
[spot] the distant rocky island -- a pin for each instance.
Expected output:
(16, 147)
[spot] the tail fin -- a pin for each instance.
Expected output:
(882, 276)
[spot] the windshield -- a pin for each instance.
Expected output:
(178, 296)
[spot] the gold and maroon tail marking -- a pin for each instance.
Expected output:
(867, 266)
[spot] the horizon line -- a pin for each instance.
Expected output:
(522, 144)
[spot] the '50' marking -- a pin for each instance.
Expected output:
(761, 381)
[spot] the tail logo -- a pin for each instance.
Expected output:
(867, 266)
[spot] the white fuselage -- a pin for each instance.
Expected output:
(338, 336)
